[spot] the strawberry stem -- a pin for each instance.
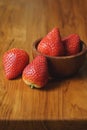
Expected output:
(32, 86)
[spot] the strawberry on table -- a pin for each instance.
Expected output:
(14, 61)
(36, 73)
(51, 44)
(72, 44)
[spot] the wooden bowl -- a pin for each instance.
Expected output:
(63, 66)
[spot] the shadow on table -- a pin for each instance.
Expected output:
(52, 84)
(43, 125)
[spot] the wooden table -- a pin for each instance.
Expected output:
(62, 103)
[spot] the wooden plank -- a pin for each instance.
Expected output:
(21, 23)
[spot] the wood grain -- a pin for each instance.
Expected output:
(21, 23)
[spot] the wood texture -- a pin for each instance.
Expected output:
(21, 23)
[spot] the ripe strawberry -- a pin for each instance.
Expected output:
(51, 44)
(72, 44)
(14, 61)
(36, 73)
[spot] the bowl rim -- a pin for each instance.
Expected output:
(84, 51)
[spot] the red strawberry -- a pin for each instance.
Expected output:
(36, 73)
(72, 44)
(51, 44)
(14, 61)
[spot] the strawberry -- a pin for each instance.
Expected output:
(72, 44)
(51, 44)
(36, 73)
(14, 61)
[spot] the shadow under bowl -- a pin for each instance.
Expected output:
(63, 66)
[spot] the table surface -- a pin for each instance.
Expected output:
(21, 23)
